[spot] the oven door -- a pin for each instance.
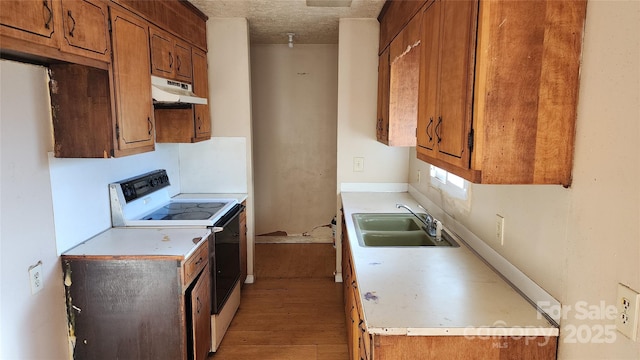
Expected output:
(225, 257)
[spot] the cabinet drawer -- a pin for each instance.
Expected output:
(195, 263)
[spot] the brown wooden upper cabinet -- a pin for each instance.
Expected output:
(202, 120)
(86, 29)
(404, 70)
(449, 32)
(191, 123)
(58, 29)
(498, 89)
(170, 57)
(132, 83)
(33, 21)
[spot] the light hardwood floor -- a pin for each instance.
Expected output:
(293, 310)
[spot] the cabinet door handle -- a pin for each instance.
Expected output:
(170, 60)
(199, 122)
(438, 129)
(199, 305)
(150, 124)
(73, 26)
(179, 62)
(430, 133)
(47, 24)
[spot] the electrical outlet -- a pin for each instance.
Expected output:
(500, 229)
(358, 164)
(36, 278)
(628, 304)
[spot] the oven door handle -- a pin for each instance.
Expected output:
(238, 209)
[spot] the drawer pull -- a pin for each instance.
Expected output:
(47, 23)
(199, 261)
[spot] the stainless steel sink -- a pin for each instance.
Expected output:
(395, 230)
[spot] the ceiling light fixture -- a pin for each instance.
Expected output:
(290, 35)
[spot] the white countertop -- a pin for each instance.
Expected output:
(168, 242)
(433, 291)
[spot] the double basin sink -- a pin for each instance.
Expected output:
(396, 230)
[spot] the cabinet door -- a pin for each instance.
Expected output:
(404, 76)
(201, 316)
(183, 68)
(428, 99)
(86, 28)
(162, 53)
(132, 83)
(382, 125)
(201, 89)
(29, 20)
(457, 49)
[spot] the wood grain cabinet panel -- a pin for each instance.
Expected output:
(191, 123)
(132, 83)
(382, 124)
(170, 57)
(86, 29)
(50, 31)
(201, 88)
(183, 68)
(136, 307)
(34, 21)
(177, 17)
(498, 89)
(449, 30)
(404, 70)
(201, 316)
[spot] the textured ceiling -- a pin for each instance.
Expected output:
(271, 20)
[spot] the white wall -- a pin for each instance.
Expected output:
(80, 192)
(357, 114)
(72, 200)
(230, 106)
(295, 108)
(31, 326)
(357, 109)
(579, 243)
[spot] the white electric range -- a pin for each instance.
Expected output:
(144, 201)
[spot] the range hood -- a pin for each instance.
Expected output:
(167, 92)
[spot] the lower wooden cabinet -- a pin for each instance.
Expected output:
(364, 345)
(139, 307)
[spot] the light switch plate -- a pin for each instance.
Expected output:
(358, 164)
(627, 303)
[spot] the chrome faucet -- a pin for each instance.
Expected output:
(430, 223)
